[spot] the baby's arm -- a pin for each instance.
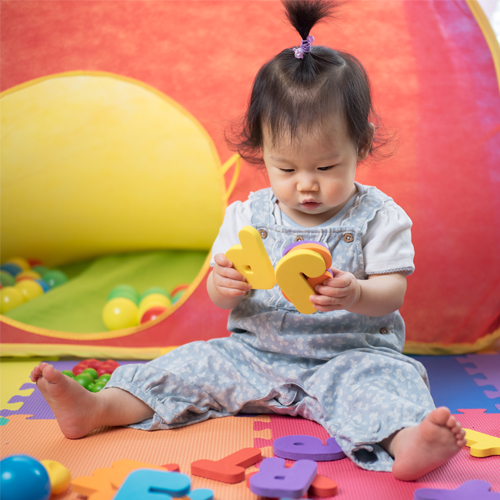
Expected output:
(226, 286)
(379, 295)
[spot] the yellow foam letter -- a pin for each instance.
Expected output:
(251, 259)
(290, 273)
(482, 445)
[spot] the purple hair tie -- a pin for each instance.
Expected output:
(304, 48)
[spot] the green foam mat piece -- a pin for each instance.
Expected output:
(77, 305)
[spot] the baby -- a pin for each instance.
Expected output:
(343, 367)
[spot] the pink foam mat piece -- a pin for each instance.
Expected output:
(487, 365)
(355, 483)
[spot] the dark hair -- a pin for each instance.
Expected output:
(293, 95)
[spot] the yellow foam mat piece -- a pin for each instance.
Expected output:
(13, 374)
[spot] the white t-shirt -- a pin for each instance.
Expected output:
(386, 245)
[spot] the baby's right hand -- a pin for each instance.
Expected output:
(227, 280)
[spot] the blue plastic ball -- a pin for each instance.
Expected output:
(44, 285)
(24, 478)
(13, 269)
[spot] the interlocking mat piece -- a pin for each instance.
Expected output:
(26, 398)
(453, 387)
(355, 483)
(218, 438)
(487, 365)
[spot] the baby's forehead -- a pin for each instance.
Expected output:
(325, 140)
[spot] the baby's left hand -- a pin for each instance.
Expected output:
(340, 292)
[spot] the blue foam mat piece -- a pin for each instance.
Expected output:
(453, 387)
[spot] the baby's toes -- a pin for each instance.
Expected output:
(36, 373)
(451, 422)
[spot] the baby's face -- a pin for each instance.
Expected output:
(312, 178)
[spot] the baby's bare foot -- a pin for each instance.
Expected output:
(74, 407)
(418, 450)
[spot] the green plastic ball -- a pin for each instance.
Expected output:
(68, 373)
(55, 278)
(104, 378)
(7, 279)
(85, 380)
(125, 292)
(91, 372)
(41, 270)
(155, 289)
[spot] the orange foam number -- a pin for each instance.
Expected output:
(291, 274)
(230, 469)
(251, 259)
(104, 483)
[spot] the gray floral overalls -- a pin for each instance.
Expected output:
(340, 369)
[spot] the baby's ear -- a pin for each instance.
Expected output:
(366, 143)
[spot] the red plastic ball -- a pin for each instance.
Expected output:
(152, 314)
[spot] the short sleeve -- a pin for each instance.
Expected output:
(238, 215)
(387, 246)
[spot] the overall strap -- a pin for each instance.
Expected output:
(262, 208)
(365, 209)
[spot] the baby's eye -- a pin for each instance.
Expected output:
(323, 169)
(286, 169)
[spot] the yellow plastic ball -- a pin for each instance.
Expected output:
(28, 274)
(30, 289)
(19, 261)
(60, 476)
(10, 298)
(153, 300)
(120, 313)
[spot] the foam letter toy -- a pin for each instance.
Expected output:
(151, 484)
(60, 476)
(230, 469)
(307, 447)
(482, 445)
(466, 491)
(277, 481)
(201, 494)
(290, 273)
(322, 249)
(103, 483)
(250, 258)
(321, 486)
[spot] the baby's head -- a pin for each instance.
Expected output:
(312, 112)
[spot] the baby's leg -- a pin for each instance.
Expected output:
(419, 449)
(79, 411)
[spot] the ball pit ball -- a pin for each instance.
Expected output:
(153, 300)
(19, 261)
(55, 278)
(41, 270)
(177, 296)
(12, 269)
(92, 372)
(59, 476)
(6, 279)
(152, 314)
(29, 289)
(179, 288)
(126, 292)
(120, 313)
(104, 378)
(85, 380)
(68, 373)
(10, 298)
(24, 478)
(29, 274)
(155, 290)
(35, 262)
(43, 284)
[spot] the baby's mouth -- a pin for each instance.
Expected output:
(310, 204)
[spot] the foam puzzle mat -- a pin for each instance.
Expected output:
(468, 385)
